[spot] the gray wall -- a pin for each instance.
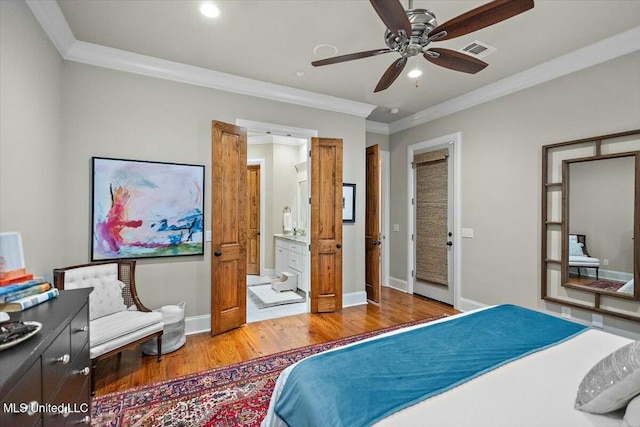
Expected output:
(56, 115)
(31, 185)
(501, 172)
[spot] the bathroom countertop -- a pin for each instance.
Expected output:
(300, 239)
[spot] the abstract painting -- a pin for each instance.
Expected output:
(144, 209)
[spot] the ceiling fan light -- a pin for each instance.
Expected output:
(209, 10)
(415, 73)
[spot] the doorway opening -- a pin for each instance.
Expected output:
(278, 159)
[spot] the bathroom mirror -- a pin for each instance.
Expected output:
(599, 224)
(590, 224)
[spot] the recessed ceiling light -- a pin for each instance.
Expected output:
(325, 50)
(415, 73)
(209, 10)
(299, 73)
(394, 110)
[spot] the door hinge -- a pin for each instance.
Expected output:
(309, 248)
(412, 237)
(413, 201)
(309, 153)
(413, 273)
(309, 200)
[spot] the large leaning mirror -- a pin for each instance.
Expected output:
(591, 224)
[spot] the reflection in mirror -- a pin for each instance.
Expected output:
(600, 225)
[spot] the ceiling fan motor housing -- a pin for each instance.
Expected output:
(422, 22)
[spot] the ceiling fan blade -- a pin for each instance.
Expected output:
(391, 74)
(393, 15)
(350, 57)
(456, 61)
(481, 17)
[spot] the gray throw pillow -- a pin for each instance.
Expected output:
(612, 382)
(632, 414)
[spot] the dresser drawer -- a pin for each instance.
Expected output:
(295, 248)
(26, 391)
(55, 362)
(79, 331)
(71, 401)
(295, 261)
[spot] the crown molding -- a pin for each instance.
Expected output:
(588, 56)
(53, 22)
(377, 127)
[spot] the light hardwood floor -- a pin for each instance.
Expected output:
(203, 351)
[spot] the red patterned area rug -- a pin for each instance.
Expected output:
(607, 285)
(235, 395)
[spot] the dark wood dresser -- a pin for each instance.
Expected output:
(51, 368)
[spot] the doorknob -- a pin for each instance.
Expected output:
(339, 245)
(218, 252)
(449, 243)
(376, 243)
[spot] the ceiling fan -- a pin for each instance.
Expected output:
(410, 32)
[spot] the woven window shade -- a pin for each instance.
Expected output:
(431, 216)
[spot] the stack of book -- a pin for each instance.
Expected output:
(14, 276)
(20, 296)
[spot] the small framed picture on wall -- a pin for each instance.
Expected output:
(348, 203)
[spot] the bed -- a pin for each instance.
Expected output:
(529, 385)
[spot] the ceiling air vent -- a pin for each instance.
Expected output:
(478, 49)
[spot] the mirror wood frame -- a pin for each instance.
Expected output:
(548, 224)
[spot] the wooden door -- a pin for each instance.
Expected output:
(372, 225)
(253, 219)
(229, 227)
(326, 225)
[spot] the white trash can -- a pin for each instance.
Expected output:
(173, 336)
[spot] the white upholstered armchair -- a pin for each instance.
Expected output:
(117, 318)
(579, 256)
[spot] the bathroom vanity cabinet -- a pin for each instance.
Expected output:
(292, 255)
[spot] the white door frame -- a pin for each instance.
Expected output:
(386, 213)
(294, 132)
(455, 140)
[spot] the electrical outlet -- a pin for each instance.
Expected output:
(605, 262)
(467, 233)
(396, 227)
(596, 320)
(566, 312)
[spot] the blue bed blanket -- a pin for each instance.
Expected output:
(364, 383)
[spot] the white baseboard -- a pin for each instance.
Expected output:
(197, 324)
(354, 298)
(468, 305)
(398, 284)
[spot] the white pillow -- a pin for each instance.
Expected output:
(106, 298)
(612, 382)
(627, 288)
(575, 248)
(632, 414)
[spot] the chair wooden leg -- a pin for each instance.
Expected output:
(159, 348)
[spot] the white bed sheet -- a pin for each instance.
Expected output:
(537, 390)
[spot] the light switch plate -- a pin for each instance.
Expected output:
(467, 233)
(207, 236)
(396, 227)
(566, 312)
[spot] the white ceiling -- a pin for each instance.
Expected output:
(269, 40)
